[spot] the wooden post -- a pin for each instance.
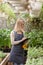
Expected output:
(5, 60)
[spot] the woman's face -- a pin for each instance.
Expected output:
(21, 24)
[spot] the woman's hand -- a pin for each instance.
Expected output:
(24, 38)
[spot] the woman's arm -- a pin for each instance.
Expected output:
(12, 37)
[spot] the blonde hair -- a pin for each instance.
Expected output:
(17, 25)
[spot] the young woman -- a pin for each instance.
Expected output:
(17, 36)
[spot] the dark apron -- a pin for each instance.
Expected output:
(17, 52)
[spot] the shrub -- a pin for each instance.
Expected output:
(5, 38)
(35, 38)
(35, 56)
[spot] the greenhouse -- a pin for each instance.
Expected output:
(21, 32)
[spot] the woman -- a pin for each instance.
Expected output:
(17, 36)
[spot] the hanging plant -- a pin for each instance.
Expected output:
(5, 7)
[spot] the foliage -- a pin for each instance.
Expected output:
(6, 8)
(25, 16)
(35, 56)
(33, 61)
(34, 52)
(35, 49)
(37, 22)
(5, 37)
(41, 13)
(35, 38)
(2, 55)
